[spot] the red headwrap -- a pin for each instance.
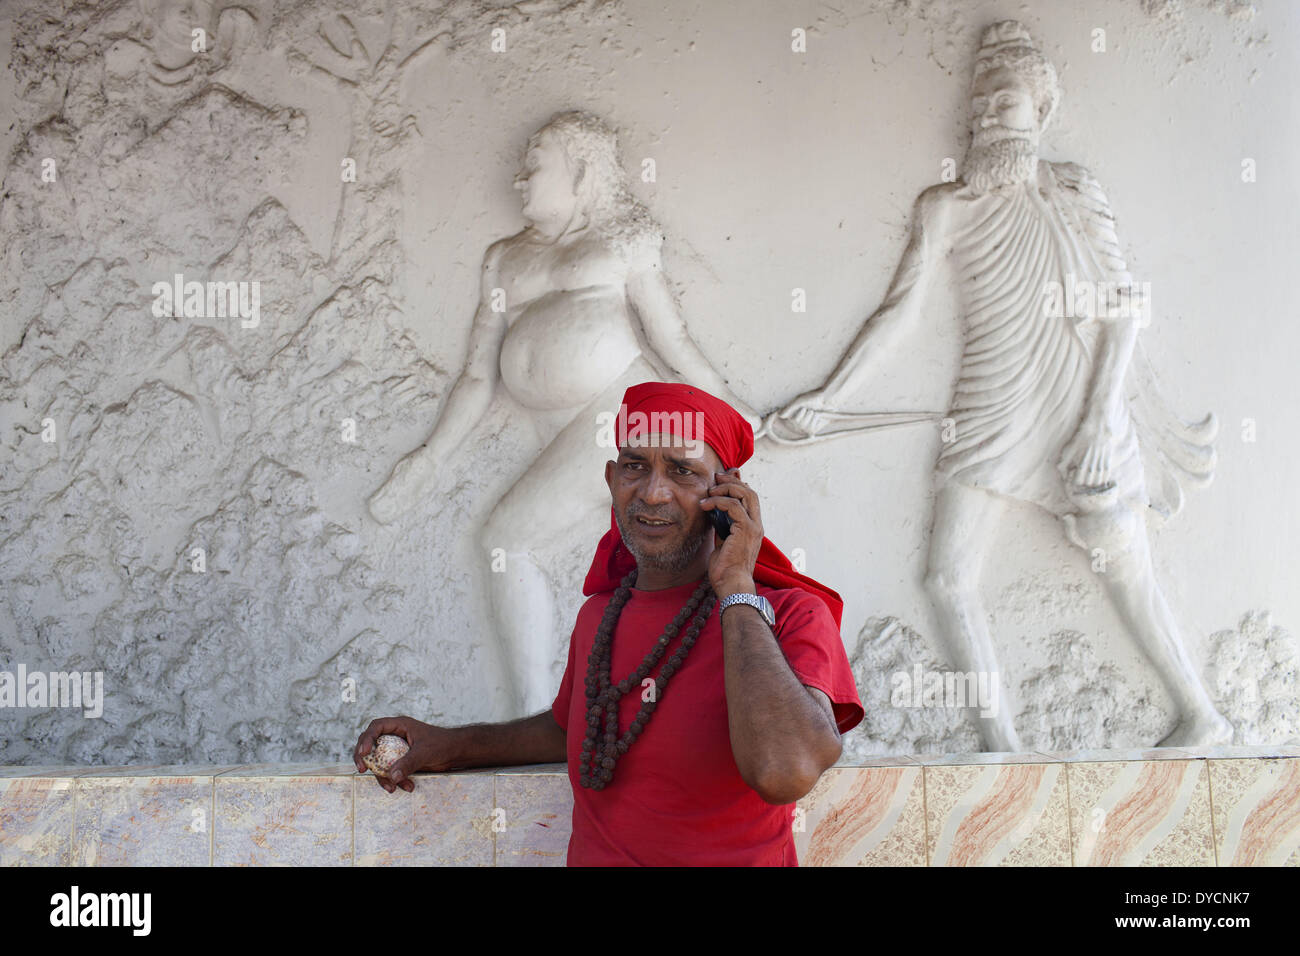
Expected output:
(732, 438)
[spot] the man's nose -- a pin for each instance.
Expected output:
(657, 490)
(990, 118)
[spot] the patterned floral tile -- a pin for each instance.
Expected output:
(1256, 811)
(445, 821)
(862, 817)
(1014, 814)
(532, 818)
(1130, 813)
(283, 820)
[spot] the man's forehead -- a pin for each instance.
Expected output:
(669, 445)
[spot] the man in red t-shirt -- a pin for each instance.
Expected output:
(719, 697)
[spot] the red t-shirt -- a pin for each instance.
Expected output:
(677, 797)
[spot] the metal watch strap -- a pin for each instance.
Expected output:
(756, 601)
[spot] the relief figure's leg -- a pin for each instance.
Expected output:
(557, 496)
(1116, 537)
(964, 521)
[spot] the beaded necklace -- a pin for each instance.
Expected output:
(597, 761)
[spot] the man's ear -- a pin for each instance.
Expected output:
(609, 474)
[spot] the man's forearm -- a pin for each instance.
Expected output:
(781, 739)
(1106, 395)
(536, 739)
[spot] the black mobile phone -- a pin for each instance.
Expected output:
(720, 520)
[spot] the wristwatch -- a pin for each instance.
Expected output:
(756, 601)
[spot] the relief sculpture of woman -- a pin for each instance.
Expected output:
(572, 311)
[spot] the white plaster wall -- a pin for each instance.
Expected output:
(775, 171)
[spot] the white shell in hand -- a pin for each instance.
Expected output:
(388, 750)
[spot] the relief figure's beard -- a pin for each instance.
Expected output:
(1001, 161)
(671, 562)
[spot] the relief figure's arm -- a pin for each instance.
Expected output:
(1087, 458)
(1122, 308)
(468, 399)
(1106, 395)
(667, 342)
(473, 391)
(902, 304)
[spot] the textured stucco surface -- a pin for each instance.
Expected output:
(775, 171)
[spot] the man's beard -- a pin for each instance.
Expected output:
(671, 562)
(996, 161)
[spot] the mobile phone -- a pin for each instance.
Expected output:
(720, 520)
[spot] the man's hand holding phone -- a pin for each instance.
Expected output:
(731, 567)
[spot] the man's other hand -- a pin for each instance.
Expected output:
(431, 750)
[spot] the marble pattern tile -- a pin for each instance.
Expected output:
(292, 770)
(532, 818)
(896, 760)
(283, 820)
(445, 821)
(863, 817)
(57, 771)
(1256, 811)
(987, 758)
(1236, 750)
(1013, 814)
(1130, 813)
(36, 821)
(1102, 756)
(160, 770)
(143, 821)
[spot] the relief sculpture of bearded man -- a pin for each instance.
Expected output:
(573, 310)
(1056, 407)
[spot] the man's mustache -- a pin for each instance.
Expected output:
(631, 513)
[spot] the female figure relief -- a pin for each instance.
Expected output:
(573, 310)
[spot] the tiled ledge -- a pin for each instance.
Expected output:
(1233, 806)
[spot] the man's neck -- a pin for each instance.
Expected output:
(649, 578)
(646, 580)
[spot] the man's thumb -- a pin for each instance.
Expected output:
(398, 772)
